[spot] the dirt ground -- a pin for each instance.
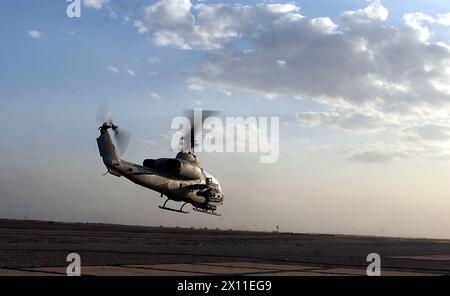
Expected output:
(32, 247)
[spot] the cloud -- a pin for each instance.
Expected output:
(372, 157)
(181, 24)
(172, 20)
(36, 34)
(195, 87)
(420, 22)
(415, 20)
(374, 12)
(434, 132)
(381, 152)
(325, 24)
(348, 121)
(275, 51)
(282, 8)
(430, 132)
(153, 60)
(96, 4)
(113, 69)
(131, 73)
(360, 61)
(155, 96)
(367, 74)
(358, 64)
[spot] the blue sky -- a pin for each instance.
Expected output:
(351, 117)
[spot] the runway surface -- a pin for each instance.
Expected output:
(34, 248)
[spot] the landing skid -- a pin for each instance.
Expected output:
(163, 207)
(207, 212)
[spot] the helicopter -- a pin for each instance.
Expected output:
(179, 179)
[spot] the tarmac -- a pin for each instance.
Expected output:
(40, 248)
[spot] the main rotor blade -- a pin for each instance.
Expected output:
(195, 126)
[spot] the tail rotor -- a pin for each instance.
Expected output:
(121, 137)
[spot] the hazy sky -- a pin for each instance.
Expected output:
(361, 88)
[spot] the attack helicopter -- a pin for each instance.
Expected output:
(179, 179)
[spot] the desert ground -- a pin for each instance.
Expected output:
(40, 248)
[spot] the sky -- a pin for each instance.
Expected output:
(361, 89)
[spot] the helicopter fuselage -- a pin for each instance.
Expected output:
(196, 187)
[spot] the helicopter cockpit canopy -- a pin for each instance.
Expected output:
(211, 180)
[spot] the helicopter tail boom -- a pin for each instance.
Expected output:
(108, 152)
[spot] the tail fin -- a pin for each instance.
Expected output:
(108, 152)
